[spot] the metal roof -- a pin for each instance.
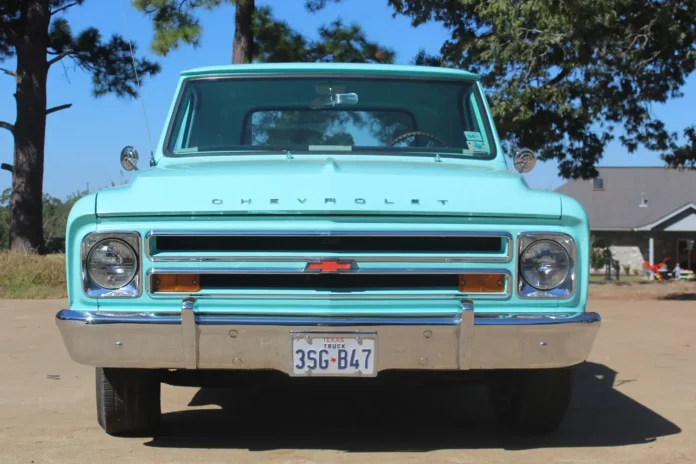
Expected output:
(328, 68)
(619, 205)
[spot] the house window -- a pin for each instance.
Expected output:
(597, 183)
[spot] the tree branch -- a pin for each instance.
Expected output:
(59, 57)
(58, 108)
(64, 7)
(8, 72)
(7, 125)
(559, 77)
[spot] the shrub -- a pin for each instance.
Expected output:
(596, 257)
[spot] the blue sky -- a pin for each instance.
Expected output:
(83, 143)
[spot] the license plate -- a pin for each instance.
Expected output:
(333, 354)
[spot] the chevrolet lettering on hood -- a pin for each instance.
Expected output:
(302, 201)
(328, 220)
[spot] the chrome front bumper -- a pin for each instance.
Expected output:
(194, 340)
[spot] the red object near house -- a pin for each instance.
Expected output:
(655, 268)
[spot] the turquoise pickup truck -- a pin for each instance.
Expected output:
(328, 220)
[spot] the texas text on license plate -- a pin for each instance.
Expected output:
(319, 354)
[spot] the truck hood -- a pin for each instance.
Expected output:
(328, 186)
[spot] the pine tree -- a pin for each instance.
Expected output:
(35, 33)
(259, 36)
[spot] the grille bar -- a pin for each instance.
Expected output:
(384, 283)
(302, 246)
(329, 282)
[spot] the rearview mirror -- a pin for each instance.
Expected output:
(334, 99)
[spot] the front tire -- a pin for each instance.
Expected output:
(128, 401)
(531, 402)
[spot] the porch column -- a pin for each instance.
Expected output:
(651, 255)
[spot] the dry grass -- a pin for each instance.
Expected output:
(643, 290)
(595, 278)
(31, 276)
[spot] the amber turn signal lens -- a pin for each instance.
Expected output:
(482, 283)
(177, 282)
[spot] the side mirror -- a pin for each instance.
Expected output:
(129, 159)
(524, 160)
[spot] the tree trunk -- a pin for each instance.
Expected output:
(26, 230)
(242, 48)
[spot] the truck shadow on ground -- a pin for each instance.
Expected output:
(680, 296)
(359, 418)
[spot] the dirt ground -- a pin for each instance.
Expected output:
(635, 401)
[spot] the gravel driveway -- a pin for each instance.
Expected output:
(635, 402)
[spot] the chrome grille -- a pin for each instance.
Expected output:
(276, 264)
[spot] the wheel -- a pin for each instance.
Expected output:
(128, 400)
(533, 401)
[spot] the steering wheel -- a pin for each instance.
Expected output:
(416, 133)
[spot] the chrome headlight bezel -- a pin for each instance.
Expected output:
(93, 290)
(566, 289)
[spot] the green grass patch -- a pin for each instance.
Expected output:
(32, 276)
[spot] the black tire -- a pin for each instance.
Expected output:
(531, 402)
(128, 401)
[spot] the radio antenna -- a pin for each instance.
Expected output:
(137, 82)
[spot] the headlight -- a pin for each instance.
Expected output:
(112, 264)
(544, 264)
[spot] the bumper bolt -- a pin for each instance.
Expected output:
(428, 333)
(237, 361)
(423, 361)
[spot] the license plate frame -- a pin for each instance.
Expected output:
(312, 337)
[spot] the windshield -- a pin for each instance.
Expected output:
(373, 115)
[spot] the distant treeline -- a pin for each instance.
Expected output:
(55, 219)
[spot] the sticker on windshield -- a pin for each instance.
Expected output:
(473, 136)
(476, 146)
(466, 152)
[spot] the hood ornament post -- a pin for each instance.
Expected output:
(524, 160)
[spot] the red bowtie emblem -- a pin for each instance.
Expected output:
(330, 265)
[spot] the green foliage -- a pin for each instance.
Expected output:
(174, 21)
(685, 155)
(347, 44)
(563, 75)
(55, 220)
(596, 256)
(110, 63)
(274, 40)
(315, 5)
